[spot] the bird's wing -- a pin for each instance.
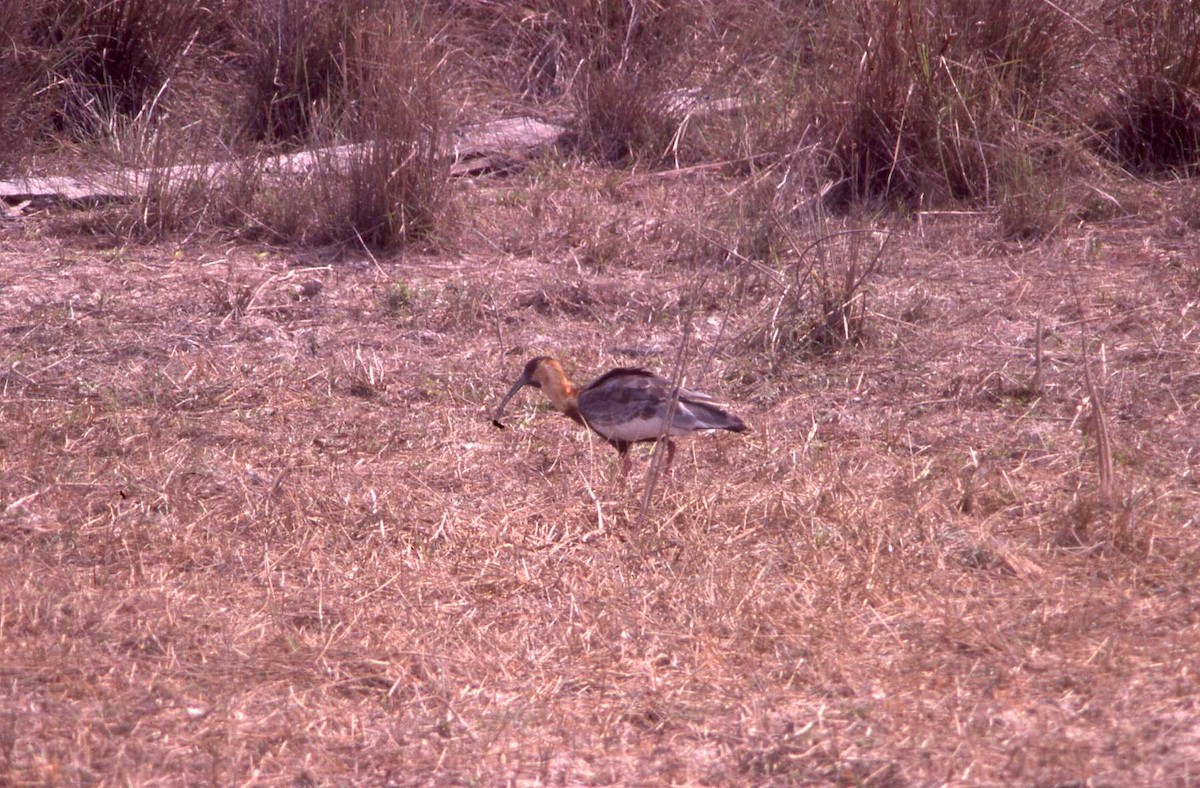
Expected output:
(632, 405)
(623, 395)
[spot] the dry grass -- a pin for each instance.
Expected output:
(387, 186)
(256, 525)
(297, 72)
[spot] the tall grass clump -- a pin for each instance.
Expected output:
(508, 49)
(615, 61)
(379, 176)
(89, 63)
(21, 116)
(398, 180)
(374, 173)
(759, 75)
(628, 57)
(1152, 123)
(296, 53)
(179, 189)
(929, 93)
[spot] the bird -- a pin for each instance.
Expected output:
(624, 406)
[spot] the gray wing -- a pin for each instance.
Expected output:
(618, 399)
(633, 407)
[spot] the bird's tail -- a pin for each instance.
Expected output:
(696, 414)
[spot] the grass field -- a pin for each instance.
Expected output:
(256, 526)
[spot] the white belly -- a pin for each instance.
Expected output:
(636, 430)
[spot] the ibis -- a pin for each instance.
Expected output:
(625, 406)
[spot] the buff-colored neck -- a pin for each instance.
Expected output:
(557, 386)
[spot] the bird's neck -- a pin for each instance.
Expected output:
(562, 395)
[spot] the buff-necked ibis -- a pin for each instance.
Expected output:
(624, 406)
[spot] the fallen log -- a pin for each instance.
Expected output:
(472, 150)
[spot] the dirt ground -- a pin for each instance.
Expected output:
(256, 526)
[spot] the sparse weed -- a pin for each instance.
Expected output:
(1032, 203)
(602, 247)
(462, 304)
(362, 373)
(762, 80)
(398, 298)
(819, 305)
(229, 297)
(840, 294)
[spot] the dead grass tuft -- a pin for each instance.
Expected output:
(398, 182)
(20, 117)
(631, 57)
(816, 293)
(1154, 127)
(297, 72)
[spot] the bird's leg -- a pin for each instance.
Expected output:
(670, 455)
(626, 462)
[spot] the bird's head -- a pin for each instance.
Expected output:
(541, 372)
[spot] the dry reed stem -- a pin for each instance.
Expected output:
(1099, 422)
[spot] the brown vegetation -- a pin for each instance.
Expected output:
(256, 527)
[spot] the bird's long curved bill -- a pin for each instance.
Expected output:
(521, 381)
